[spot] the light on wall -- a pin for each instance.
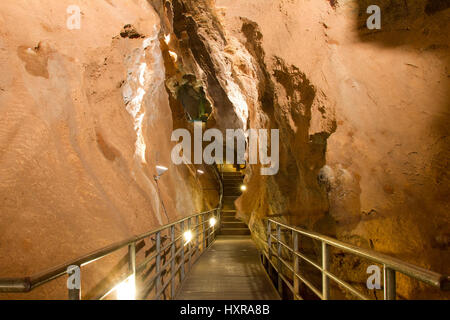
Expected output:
(160, 170)
(167, 38)
(173, 55)
(243, 187)
(212, 222)
(187, 237)
(127, 289)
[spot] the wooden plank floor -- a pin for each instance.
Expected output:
(229, 270)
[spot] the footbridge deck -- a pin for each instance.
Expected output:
(231, 269)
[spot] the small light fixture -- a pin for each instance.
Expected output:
(187, 237)
(243, 187)
(200, 172)
(173, 55)
(212, 222)
(167, 39)
(127, 289)
(160, 170)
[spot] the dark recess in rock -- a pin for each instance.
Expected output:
(130, 32)
(434, 6)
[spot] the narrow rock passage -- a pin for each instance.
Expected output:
(229, 270)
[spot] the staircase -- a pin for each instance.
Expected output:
(230, 225)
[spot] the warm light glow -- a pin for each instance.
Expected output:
(160, 170)
(243, 187)
(173, 55)
(127, 289)
(167, 38)
(238, 100)
(212, 222)
(200, 172)
(187, 237)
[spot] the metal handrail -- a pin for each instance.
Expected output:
(390, 265)
(219, 178)
(27, 284)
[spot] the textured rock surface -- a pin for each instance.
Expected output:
(364, 124)
(84, 119)
(363, 117)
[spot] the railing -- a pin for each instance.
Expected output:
(390, 265)
(181, 247)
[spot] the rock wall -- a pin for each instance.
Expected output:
(364, 128)
(84, 120)
(363, 117)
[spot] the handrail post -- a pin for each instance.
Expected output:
(172, 262)
(182, 252)
(205, 241)
(132, 261)
(158, 264)
(269, 239)
(280, 281)
(189, 246)
(214, 226)
(325, 267)
(389, 284)
(197, 234)
(296, 268)
(269, 248)
(219, 220)
(208, 232)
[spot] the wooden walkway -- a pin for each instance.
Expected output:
(229, 270)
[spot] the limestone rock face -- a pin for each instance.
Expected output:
(84, 120)
(362, 114)
(86, 115)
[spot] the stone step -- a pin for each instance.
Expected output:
(235, 231)
(229, 219)
(229, 203)
(229, 207)
(228, 213)
(233, 225)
